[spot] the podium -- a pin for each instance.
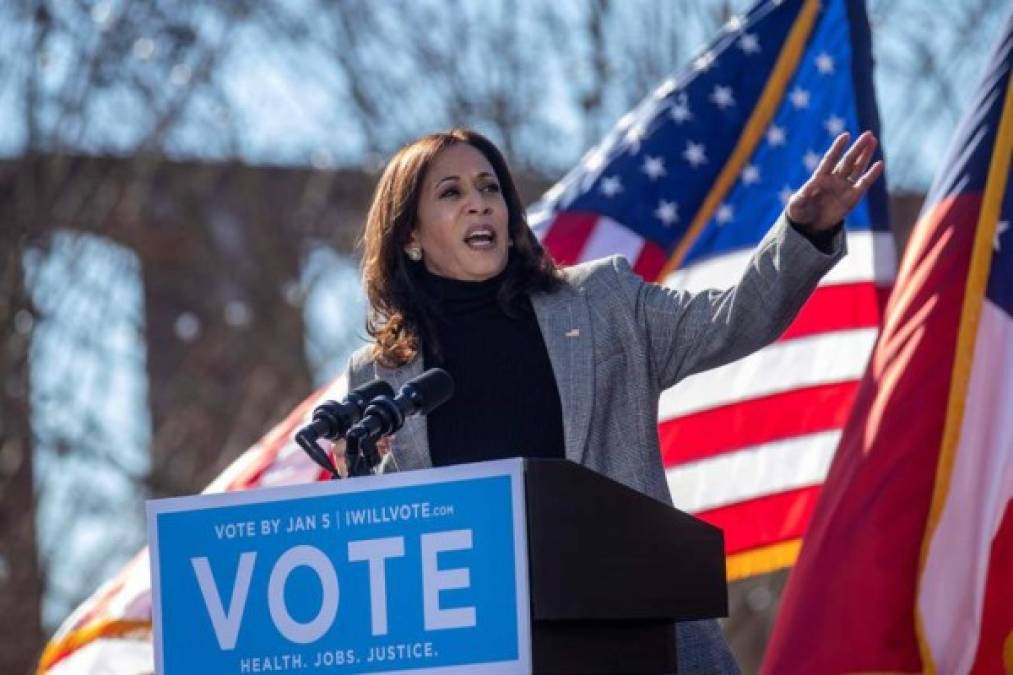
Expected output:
(511, 566)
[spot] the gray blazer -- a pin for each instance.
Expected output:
(616, 342)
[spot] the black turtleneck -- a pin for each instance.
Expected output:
(505, 402)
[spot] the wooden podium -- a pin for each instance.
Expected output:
(510, 566)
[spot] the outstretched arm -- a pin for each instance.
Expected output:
(692, 332)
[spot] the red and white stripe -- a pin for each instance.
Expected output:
(746, 446)
(964, 592)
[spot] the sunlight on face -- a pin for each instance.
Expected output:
(461, 223)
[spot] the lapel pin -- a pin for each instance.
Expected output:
(573, 332)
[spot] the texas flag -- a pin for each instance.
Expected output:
(908, 562)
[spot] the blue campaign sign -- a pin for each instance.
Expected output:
(420, 570)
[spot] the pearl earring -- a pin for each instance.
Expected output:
(414, 252)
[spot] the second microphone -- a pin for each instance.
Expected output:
(419, 396)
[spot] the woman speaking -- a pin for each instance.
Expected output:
(564, 363)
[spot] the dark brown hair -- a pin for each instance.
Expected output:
(400, 311)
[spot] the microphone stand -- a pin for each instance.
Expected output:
(307, 440)
(361, 454)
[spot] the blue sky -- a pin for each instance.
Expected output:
(289, 105)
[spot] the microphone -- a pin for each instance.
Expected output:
(332, 420)
(385, 415)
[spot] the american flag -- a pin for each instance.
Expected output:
(685, 186)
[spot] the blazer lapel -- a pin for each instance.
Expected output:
(410, 449)
(565, 322)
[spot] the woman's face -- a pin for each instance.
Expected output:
(462, 217)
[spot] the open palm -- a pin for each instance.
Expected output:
(837, 184)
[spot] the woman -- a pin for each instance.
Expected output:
(570, 363)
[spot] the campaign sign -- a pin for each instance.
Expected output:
(416, 570)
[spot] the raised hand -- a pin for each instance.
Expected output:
(837, 184)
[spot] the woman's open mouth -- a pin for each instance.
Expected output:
(480, 237)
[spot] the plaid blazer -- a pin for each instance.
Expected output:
(615, 343)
